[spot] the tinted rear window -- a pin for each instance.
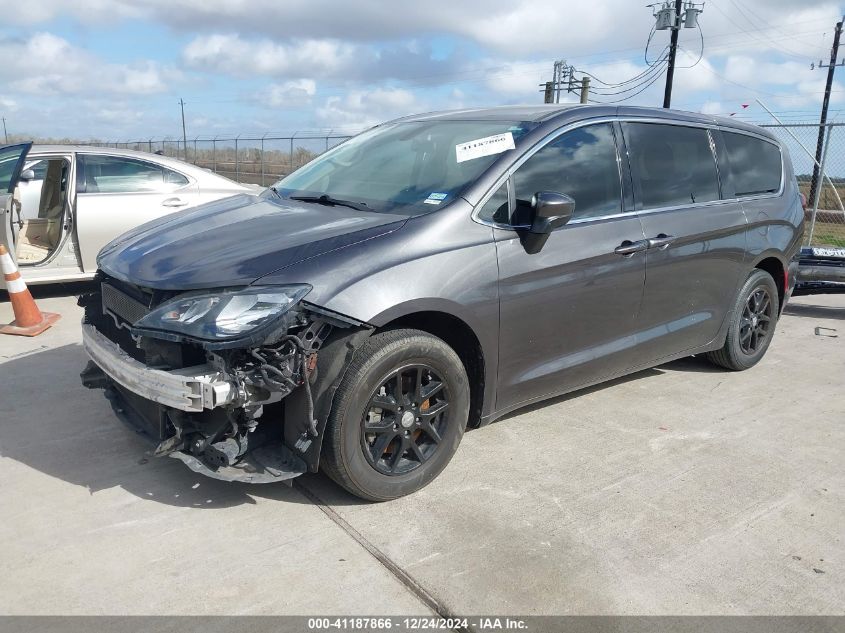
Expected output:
(755, 164)
(674, 164)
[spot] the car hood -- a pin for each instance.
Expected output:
(235, 241)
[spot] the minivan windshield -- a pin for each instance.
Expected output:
(407, 167)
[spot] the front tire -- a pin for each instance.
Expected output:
(752, 327)
(398, 415)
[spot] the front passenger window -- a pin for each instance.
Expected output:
(496, 208)
(582, 164)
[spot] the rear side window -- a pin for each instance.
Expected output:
(115, 174)
(673, 164)
(755, 164)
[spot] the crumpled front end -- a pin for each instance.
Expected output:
(250, 410)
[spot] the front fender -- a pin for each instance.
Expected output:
(332, 362)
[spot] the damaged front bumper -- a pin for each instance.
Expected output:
(254, 415)
(189, 389)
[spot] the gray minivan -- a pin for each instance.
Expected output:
(435, 273)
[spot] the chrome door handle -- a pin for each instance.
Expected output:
(628, 248)
(661, 242)
(173, 202)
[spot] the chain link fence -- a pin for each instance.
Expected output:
(825, 217)
(263, 160)
(253, 160)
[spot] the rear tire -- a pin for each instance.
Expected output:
(755, 315)
(398, 415)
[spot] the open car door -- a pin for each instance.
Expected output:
(12, 158)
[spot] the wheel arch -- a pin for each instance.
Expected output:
(774, 265)
(456, 333)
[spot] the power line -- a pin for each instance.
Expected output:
(656, 77)
(634, 78)
(700, 52)
(653, 71)
(755, 29)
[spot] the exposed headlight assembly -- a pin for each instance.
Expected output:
(224, 318)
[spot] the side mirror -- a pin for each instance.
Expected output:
(27, 175)
(551, 211)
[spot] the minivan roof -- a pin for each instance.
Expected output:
(573, 112)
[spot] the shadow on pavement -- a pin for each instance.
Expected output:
(56, 426)
(814, 311)
(48, 291)
(696, 364)
(51, 423)
(529, 408)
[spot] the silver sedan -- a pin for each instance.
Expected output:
(63, 203)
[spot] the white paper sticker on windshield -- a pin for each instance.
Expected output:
(486, 146)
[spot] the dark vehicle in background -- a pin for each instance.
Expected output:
(435, 273)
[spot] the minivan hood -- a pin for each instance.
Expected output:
(235, 241)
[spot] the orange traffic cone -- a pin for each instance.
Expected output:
(29, 320)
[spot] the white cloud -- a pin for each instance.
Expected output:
(367, 61)
(46, 64)
(234, 55)
(753, 71)
(93, 11)
(297, 92)
(520, 80)
(698, 78)
(361, 108)
(712, 107)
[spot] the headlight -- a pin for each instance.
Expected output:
(225, 315)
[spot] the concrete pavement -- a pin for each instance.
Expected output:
(680, 490)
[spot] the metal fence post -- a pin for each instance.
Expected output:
(262, 159)
(237, 161)
(214, 154)
(291, 151)
(819, 185)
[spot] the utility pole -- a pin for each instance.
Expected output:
(5, 133)
(560, 70)
(184, 134)
(672, 17)
(673, 49)
(548, 92)
(563, 72)
(585, 89)
(551, 89)
(831, 68)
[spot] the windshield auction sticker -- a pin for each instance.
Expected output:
(486, 146)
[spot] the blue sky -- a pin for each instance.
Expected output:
(116, 69)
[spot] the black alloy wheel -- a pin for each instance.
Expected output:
(405, 420)
(756, 320)
(752, 323)
(397, 416)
